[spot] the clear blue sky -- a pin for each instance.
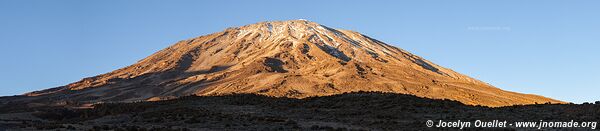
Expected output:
(546, 47)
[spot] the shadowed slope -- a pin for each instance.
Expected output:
(354, 111)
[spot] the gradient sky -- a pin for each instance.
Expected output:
(545, 47)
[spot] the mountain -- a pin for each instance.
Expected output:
(295, 58)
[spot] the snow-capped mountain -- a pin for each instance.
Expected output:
(296, 58)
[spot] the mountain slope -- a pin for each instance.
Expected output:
(377, 111)
(296, 58)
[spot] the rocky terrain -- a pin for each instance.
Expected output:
(294, 59)
(350, 111)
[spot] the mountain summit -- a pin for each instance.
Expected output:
(295, 58)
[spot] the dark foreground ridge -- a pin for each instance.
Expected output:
(350, 111)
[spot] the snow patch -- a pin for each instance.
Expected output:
(270, 27)
(243, 33)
